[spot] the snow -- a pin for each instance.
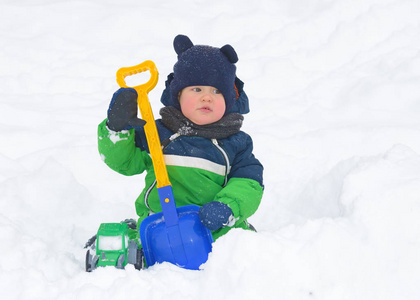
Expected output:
(111, 242)
(335, 118)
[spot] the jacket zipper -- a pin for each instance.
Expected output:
(225, 157)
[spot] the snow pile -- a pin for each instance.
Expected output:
(335, 118)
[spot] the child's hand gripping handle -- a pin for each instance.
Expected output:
(152, 136)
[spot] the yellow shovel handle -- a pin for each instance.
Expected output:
(152, 136)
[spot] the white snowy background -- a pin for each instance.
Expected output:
(335, 117)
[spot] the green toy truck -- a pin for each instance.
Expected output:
(113, 248)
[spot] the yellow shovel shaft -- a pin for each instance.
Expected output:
(150, 129)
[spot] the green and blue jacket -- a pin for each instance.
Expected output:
(200, 170)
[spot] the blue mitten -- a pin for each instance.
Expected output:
(122, 112)
(215, 215)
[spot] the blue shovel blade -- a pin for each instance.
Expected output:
(186, 244)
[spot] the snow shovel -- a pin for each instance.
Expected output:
(175, 235)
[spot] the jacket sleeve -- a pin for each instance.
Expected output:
(244, 189)
(118, 150)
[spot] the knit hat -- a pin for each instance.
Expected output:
(204, 65)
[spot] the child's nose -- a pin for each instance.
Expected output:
(207, 97)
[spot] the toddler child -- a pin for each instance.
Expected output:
(209, 159)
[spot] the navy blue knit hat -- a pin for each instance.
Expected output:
(205, 65)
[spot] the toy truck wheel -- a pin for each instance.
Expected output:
(139, 260)
(120, 262)
(91, 261)
(88, 262)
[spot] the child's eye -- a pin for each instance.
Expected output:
(196, 89)
(216, 91)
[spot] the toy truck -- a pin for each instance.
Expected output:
(113, 248)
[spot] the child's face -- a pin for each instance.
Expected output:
(202, 104)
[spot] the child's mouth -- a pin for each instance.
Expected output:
(205, 109)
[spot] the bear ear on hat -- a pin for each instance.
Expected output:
(182, 43)
(230, 53)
